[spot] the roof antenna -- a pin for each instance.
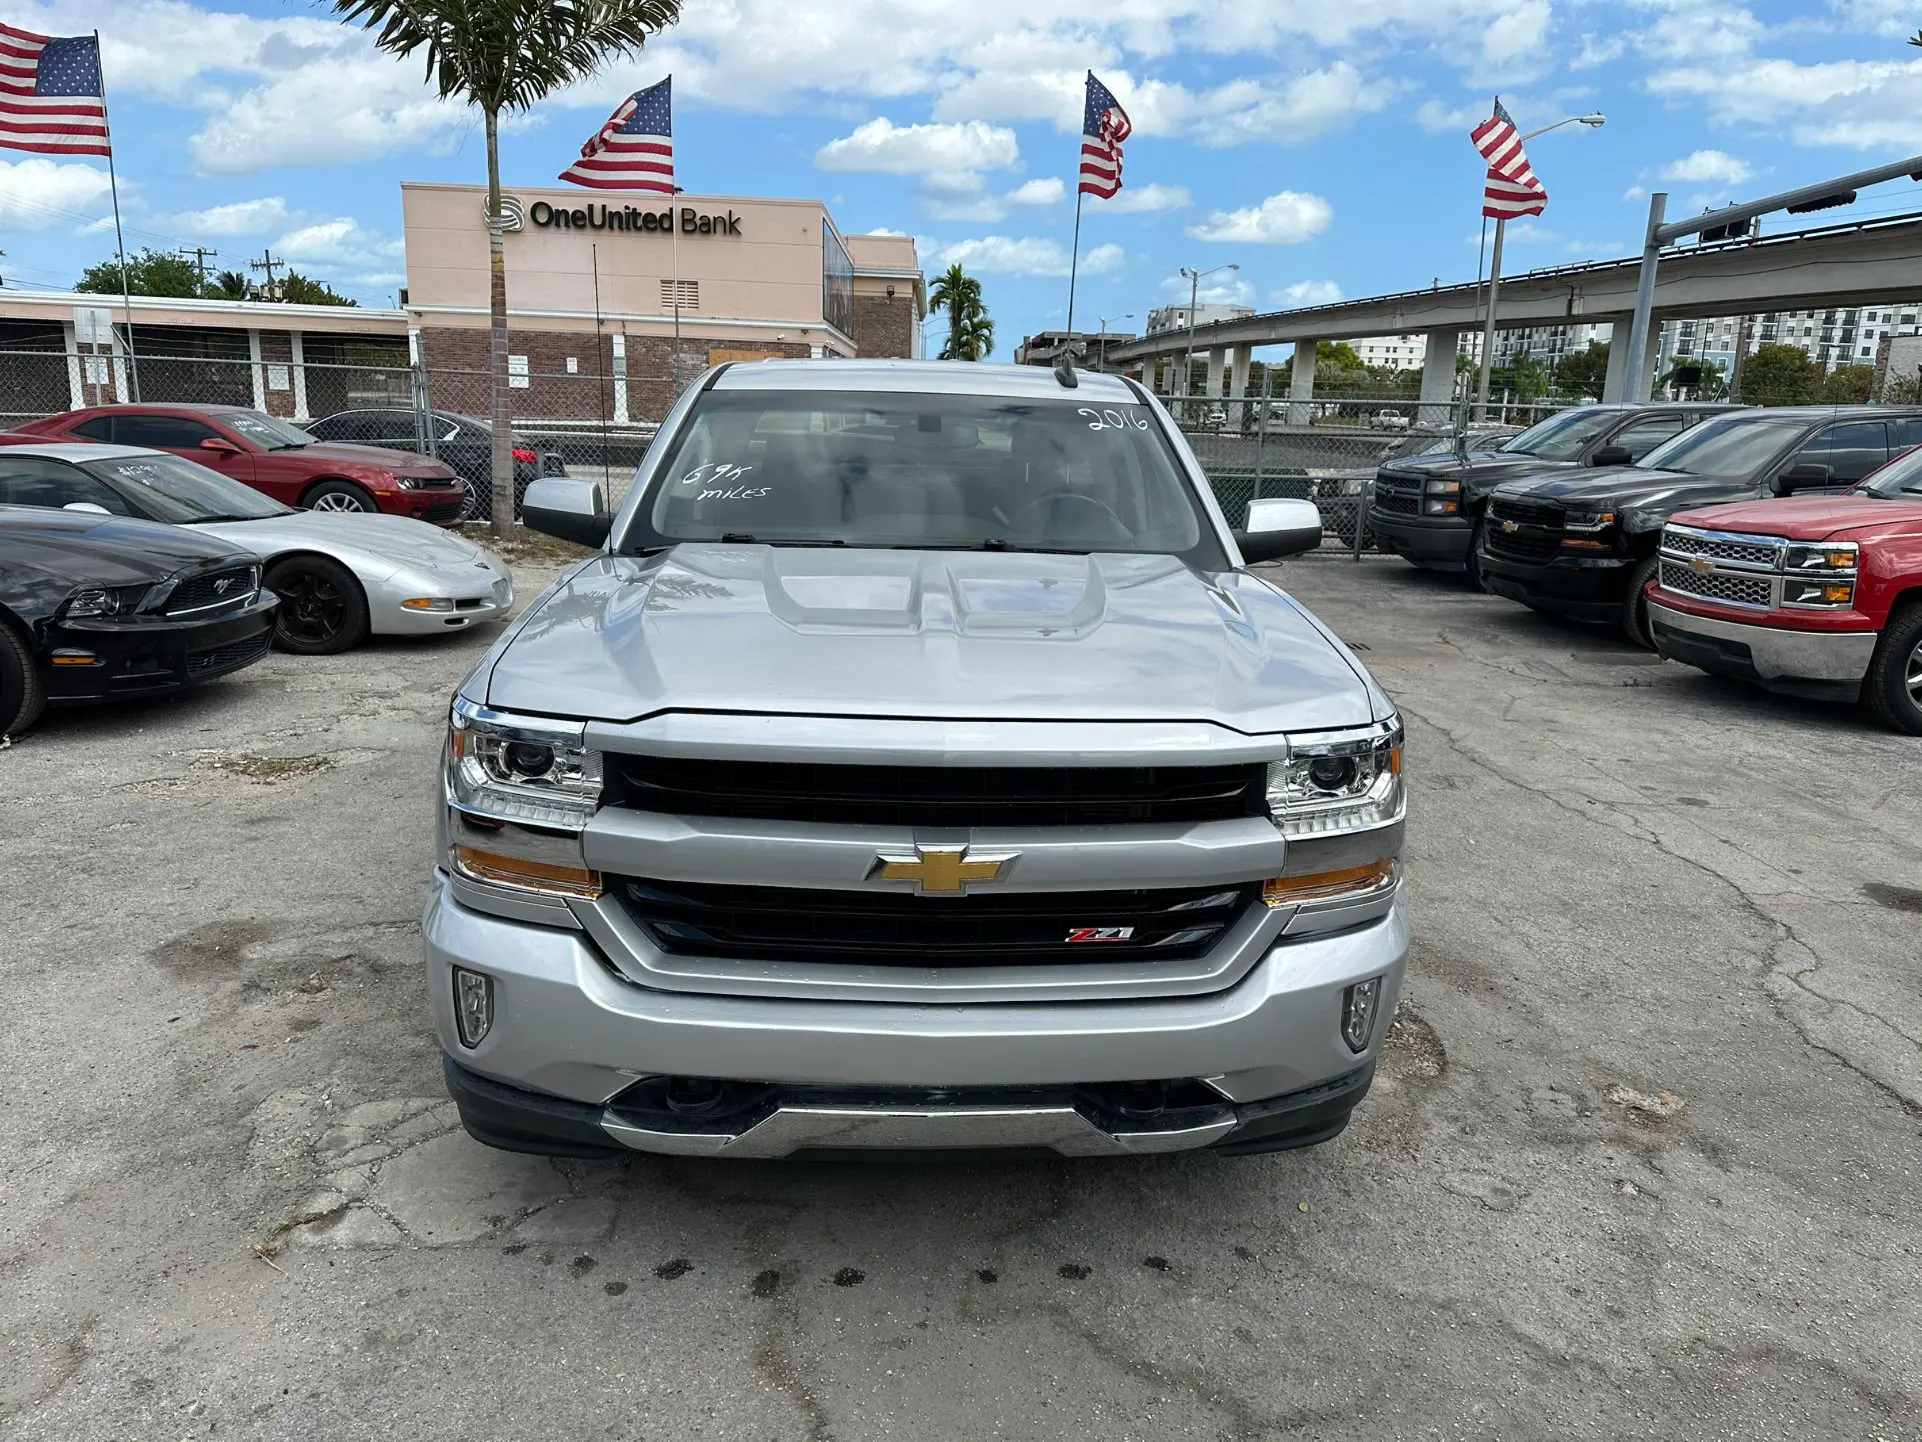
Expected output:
(1064, 364)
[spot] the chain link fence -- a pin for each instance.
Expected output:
(590, 426)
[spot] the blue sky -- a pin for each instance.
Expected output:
(1320, 144)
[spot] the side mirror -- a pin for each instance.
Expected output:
(220, 447)
(1804, 477)
(92, 508)
(570, 510)
(1612, 456)
(1279, 528)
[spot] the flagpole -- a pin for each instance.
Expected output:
(1481, 264)
(120, 243)
(1488, 321)
(1074, 264)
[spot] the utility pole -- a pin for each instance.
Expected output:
(201, 256)
(267, 263)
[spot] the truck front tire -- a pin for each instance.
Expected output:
(1893, 687)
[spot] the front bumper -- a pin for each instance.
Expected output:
(1589, 588)
(148, 657)
(487, 597)
(572, 1033)
(439, 506)
(1440, 542)
(1822, 665)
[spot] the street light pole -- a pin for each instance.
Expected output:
(1102, 338)
(1594, 121)
(1195, 278)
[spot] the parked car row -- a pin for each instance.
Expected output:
(129, 571)
(1699, 546)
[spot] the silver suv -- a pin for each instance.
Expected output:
(916, 765)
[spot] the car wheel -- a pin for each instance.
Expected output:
(1475, 539)
(321, 610)
(338, 496)
(1893, 688)
(1635, 604)
(22, 697)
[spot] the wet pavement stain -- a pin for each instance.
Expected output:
(674, 1270)
(1074, 1272)
(1896, 898)
(767, 1283)
(987, 1276)
(850, 1277)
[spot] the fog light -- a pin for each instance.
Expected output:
(474, 1005)
(1358, 1005)
(69, 656)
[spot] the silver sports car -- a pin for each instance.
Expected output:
(338, 576)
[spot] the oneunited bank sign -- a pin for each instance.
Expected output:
(684, 220)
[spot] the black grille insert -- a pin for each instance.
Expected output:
(442, 512)
(234, 586)
(939, 796)
(218, 660)
(1529, 530)
(897, 928)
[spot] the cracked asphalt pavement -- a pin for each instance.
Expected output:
(1643, 1160)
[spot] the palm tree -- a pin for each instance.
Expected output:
(507, 55)
(970, 332)
(228, 285)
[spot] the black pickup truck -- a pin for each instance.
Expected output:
(1430, 509)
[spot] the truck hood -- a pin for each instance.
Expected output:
(924, 635)
(1647, 497)
(1483, 471)
(1808, 518)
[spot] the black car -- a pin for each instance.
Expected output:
(1429, 509)
(464, 443)
(1583, 544)
(97, 608)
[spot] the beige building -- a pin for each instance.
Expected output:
(615, 303)
(646, 292)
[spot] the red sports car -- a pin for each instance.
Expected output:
(273, 456)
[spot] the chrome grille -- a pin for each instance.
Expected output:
(1766, 553)
(1726, 586)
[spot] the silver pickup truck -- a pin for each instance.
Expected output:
(916, 765)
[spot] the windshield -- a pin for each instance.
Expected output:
(1900, 477)
(179, 491)
(1732, 446)
(267, 431)
(1562, 436)
(924, 471)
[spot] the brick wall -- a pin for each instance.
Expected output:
(277, 349)
(884, 326)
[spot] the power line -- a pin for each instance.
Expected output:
(268, 263)
(201, 255)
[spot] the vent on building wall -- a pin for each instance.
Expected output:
(684, 294)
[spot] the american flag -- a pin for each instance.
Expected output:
(1104, 125)
(1511, 189)
(51, 96)
(635, 149)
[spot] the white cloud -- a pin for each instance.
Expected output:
(1707, 166)
(240, 217)
(1635, 192)
(929, 150)
(1437, 117)
(37, 194)
(1861, 103)
(1148, 199)
(1309, 292)
(1051, 191)
(339, 244)
(1027, 256)
(1224, 287)
(1598, 50)
(1517, 33)
(1284, 218)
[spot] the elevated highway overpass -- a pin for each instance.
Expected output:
(1863, 263)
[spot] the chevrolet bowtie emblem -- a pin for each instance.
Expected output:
(943, 870)
(1510, 527)
(1700, 563)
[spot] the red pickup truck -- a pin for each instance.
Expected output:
(1816, 596)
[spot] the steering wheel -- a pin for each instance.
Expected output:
(1102, 509)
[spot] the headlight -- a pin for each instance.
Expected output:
(522, 769)
(1328, 787)
(1818, 591)
(1588, 520)
(1442, 488)
(97, 601)
(1822, 556)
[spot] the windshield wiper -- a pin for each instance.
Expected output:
(993, 543)
(744, 538)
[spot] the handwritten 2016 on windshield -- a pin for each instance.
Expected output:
(1112, 420)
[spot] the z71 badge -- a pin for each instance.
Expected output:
(1102, 933)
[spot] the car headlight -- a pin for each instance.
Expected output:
(524, 769)
(1588, 520)
(94, 602)
(1328, 787)
(1822, 556)
(1441, 498)
(1818, 591)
